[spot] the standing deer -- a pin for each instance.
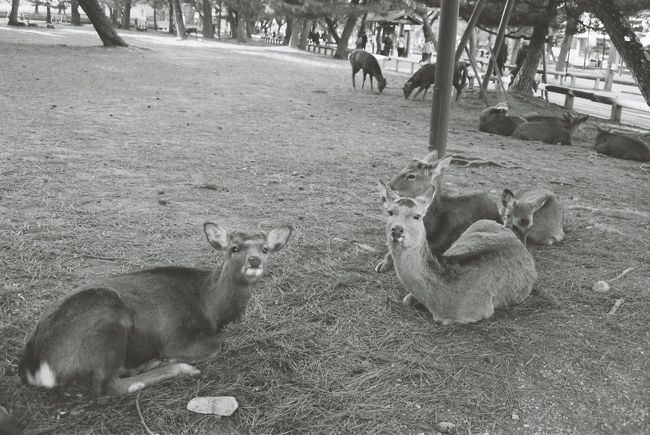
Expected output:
(362, 60)
(486, 268)
(127, 324)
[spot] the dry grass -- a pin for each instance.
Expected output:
(94, 139)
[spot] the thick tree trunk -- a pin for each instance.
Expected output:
(170, 27)
(241, 28)
(295, 33)
(13, 15)
(570, 30)
(626, 42)
(36, 5)
(126, 18)
(48, 13)
(304, 34)
(291, 24)
(75, 18)
(426, 25)
(208, 26)
(342, 45)
(155, 20)
(102, 24)
(525, 80)
(178, 20)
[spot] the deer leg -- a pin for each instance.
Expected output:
(364, 81)
(385, 264)
(116, 386)
(417, 93)
(371, 82)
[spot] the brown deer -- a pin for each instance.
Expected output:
(486, 268)
(535, 215)
(362, 60)
(448, 215)
(129, 324)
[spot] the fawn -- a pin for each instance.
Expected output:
(535, 215)
(486, 268)
(127, 324)
(448, 216)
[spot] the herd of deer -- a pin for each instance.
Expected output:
(460, 256)
(496, 120)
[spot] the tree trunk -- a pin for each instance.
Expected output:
(178, 20)
(48, 13)
(304, 34)
(525, 80)
(208, 26)
(126, 18)
(426, 25)
(13, 15)
(570, 30)
(626, 42)
(295, 33)
(36, 5)
(331, 25)
(155, 20)
(378, 39)
(342, 45)
(75, 18)
(241, 28)
(101, 23)
(170, 27)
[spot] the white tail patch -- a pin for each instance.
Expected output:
(44, 377)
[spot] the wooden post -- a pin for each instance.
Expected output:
(476, 13)
(617, 111)
(568, 101)
(444, 76)
(499, 75)
(505, 17)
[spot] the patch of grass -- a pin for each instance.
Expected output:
(112, 182)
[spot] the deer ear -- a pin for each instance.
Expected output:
(507, 198)
(278, 238)
(431, 157)
(539, 201)
(386, 194)
(217, 236)
(437, 171)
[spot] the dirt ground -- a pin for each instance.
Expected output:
(105, 155)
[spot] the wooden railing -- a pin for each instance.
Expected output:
(617, 103)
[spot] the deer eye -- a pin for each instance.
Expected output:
(417, 217)
(234, 249)
(265, 250)
(410, 177)
(390, 212)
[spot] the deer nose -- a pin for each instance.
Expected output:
(396, 232)
(254, 261)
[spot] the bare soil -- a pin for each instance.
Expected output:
(105, 156)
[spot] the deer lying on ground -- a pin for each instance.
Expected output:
(534, 215)
(448, 216)
(127, 324)
(496, 120)
(362, 60)
(486, 268)
(621, 146)
(550, 131)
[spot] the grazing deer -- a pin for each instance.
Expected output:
(448, 216)
(127, 324)
(535, 215)
(486, 268)
(362, 60)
